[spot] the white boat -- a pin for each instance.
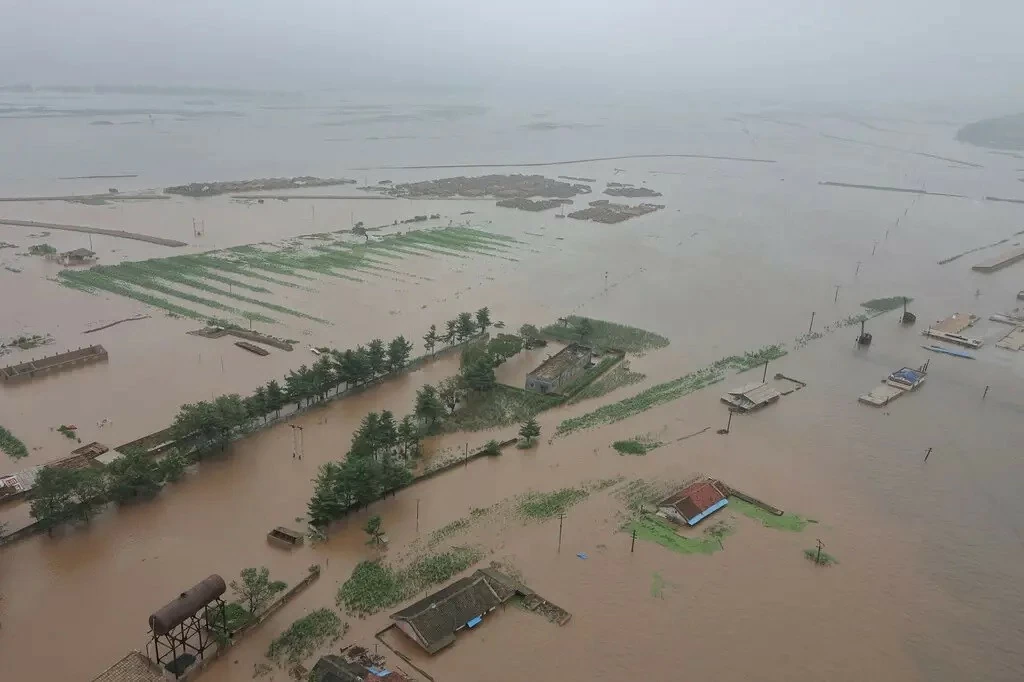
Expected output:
(953, 338)
(314, 351)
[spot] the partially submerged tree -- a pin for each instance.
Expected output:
(256, 589)
(398, 353)
(134, 476)
(450, 391)
(376, 357)
(429, 408)
(483, 318)
(584, 329)
(529, 432)
(479, 376)
(464, 326)
(374, 530)
(451, 333)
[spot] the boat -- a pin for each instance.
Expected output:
(948, 351)
(314, 351)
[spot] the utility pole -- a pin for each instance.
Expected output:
(728, 424)
(467, 455)
(561, 517)
(927, 454)
(765, 377)
(985, 393)
(606, 281)
(417, 516)
(857, 272)
(836, 299)
(632, 545)
(874, 247)
(809, 328)
(817, 559)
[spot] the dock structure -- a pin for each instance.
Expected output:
(958, 339)
(751, 397)
(34, 368)
(881, 395)
(252, 348)
(285, 537)
(1001, 261)
(954, 324)
(244, 334)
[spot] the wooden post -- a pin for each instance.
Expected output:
(836, 299)
(765, 377)
(728, 425)
(985, 393)
(561, 517)
(467, 455)
(857, 272)
(809, 328)
(927, 454)
(417, 516)
(874, 247)
(632, 546)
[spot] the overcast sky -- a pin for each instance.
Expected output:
(872, 47)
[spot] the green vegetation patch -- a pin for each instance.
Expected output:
(375, 585)
(655, 529)
(10, 444)
(448, 530)
(637, 445)
(307, 634)
(535, 505)
(750, 359)
(884, 305)
(501, 406)
(604, 334)
(645, 400)
(820, 557)
(790, 522)
(618, 376)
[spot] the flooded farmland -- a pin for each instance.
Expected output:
(927, 584)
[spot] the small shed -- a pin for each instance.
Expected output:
(751, 397)
(906, 378)
(559, 369)
(694, 502)
(77, 257)
(433, 621)
(285, 537)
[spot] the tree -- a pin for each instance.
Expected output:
(90, 489)
(584, 329)
(275, 397)
(450, 391)
(504, 346)
(256, 589)
(300, 385)
(464, 326)
(260, 398)
(493, 448)
(398, 353)
(53, 497)
(375, 354)
(428, 406)
(326, 505)
(408, 437)
(361, 367)
(430, 339)
(451, 332)
(483, 318)
(529, 432)
(374, 530)
(172, 467)
(134, 476)
(322, 377)
(531, 336)
(479, 375)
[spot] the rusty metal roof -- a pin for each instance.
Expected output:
(132, 668)
(555, 366)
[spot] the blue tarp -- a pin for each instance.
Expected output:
(473, 623)
(379, 672)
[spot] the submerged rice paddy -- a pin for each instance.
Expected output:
(240, 282)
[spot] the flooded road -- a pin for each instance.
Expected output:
(928, 584)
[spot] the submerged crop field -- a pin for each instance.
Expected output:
(240, 282)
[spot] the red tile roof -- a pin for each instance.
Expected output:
(695, 498)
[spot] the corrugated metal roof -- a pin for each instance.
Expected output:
(132, 668)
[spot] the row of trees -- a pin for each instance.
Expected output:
(61, 495)
(377, 462)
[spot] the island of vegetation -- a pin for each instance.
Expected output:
(498, 186)
(1004, 132)
(631, 192)
(532, 205)
(603, 211)
(210, 189)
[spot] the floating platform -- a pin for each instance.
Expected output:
(959, 340)
(1001, 261)
(244, 334)
(34, 368)
(252, 348)
(955, 323)
(881, 395)
(285, 537)
(900, 382)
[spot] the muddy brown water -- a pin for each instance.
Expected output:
(928, 584)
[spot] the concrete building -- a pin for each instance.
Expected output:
(560, 369)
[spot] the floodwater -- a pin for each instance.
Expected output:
(928, 584)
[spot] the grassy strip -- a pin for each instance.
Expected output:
(655, 529)
(535, 505)
(83, 282)
(307, 634)
(211, 261)
(790, 522)
(884, 305)
(375, 586)
(822, 559)
(645, 400)
(604, 334)
(588, 376)
(501, 406)
(12, 445)
(750, 359)
(617, 377)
